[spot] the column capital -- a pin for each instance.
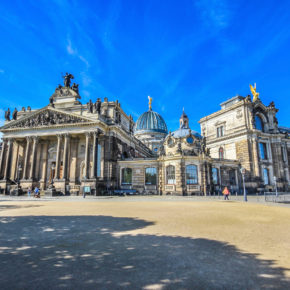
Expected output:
(29, 138)
(59, 136)
(35, 139)
(88, 134)
(66, 135)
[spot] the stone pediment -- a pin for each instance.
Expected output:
(46, 117)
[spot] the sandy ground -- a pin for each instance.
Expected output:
(143, 243)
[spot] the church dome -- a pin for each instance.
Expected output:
(150, 121)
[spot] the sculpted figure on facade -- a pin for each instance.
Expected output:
(75, 88)
(98, 104)
(67, 79)
(48, 118)
(7, 115)
(90, 106)
(14, 114)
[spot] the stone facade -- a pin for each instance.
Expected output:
(68, 147)
(248, 132)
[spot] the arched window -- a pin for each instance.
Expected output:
(191, 174)
(170, 174)
(150, 176)
(221, 153)
(127, 176)
(259, 123)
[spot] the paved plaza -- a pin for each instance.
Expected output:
(143, 243)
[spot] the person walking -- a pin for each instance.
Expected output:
(36, 192)
(29, 191)
(226, 193)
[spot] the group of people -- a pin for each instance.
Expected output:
(36, 192)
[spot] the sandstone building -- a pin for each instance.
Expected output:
(97, 146)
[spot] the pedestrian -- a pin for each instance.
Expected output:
(36, 192)
(29, 192)
(226, 193)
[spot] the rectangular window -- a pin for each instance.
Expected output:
(191, 174)
(283, 153)
(220, 131)
(266, 176)
(232, 177)
(170, 174)
(126, 176)
(215, 176)
(150, 176)
(263, 151)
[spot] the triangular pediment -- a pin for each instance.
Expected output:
(46, 117)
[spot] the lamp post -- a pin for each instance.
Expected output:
(275, 180)
(19, 173)
(52, 173)
(243, 172)
(19, 190)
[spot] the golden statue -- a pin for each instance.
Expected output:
(254, 93)
(150, 102)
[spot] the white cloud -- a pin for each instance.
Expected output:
(70, 49)
(214, 13)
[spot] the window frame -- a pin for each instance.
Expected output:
(169, 175)
(220, 131)
(150, 169)
(259, 121)
(263, 151)
(267, 179)
(217, 175)
(191, 169)
(221, 153)
(126, 170)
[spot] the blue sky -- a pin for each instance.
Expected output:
(191, 54)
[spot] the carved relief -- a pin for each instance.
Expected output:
(48, 118)
(239, 114)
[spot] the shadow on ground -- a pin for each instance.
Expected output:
(82, 252)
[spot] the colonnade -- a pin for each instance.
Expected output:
(30, 152)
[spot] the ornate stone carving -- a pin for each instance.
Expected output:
(7, 115)
(67, 79)
(90, 106)
(239, 114)
(48, 118)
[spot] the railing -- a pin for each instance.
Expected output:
(283, 197)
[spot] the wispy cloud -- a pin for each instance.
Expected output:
(214, 13)
(70, 50)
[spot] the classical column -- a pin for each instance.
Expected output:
(95, 154)
(28, 141)
(65, 155)
(87, 157)
(57, 165)
(35, 142)
(255, 157)
(2, 156)
(9, 149)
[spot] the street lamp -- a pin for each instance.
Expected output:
(19, 173)
(243, 172)
(52, 173)
(275, 180)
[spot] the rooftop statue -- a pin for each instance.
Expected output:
(254, 93)
(7, 115)
(67, 79)
(75, 87)
(14, 114)
(150, 102)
